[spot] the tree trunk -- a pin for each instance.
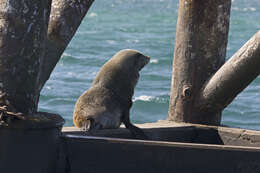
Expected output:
(234, 76)
(23, 29)
(200, 50)
(65, 19)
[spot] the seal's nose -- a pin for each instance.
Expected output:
(143, 61)
(147, 59)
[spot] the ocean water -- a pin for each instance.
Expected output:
(148, 26)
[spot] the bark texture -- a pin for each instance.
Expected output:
(234, 76)
(200, 50)
(23, 29)
(65, 19)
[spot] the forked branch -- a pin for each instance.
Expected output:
(65, 18)
(234, 76)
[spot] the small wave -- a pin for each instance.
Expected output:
(250, 9)
(154, 61)
(111, 41)
(70, 73)
(48, 87)
(143, 98)
(65, 54)
(132, 41)
(92, 15)
(69, 58)
(244, 9)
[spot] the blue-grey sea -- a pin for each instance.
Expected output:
(148, 26)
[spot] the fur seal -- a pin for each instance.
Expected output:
(106, 104)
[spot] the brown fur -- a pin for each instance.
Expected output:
(106, 104)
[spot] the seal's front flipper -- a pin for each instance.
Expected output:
(136, 132)
(91, 125)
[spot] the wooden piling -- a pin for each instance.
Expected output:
(200, 50)
(23, 29)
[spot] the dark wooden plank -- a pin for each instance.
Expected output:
(99, 154)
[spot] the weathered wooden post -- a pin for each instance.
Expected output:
(22, 41)
(30, 139)
(200, 50)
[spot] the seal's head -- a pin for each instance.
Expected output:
(131, 59)
(122, 70)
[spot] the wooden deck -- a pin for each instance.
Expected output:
(180, 148)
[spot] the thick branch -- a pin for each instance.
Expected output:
(234, 76)
(65, 19)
